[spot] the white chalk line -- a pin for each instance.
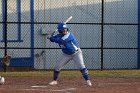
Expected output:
(69, 89)
(39, 86)
(42, 88)
(31, 89)
(53, 90)
(26, 89)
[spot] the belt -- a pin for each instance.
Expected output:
(76, 50)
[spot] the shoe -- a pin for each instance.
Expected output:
(89, 83)
(53, 83)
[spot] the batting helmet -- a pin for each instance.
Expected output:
(61, 27)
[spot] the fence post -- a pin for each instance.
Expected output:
(5, 30)
(32, 31)
(102, 34)
(138, 58)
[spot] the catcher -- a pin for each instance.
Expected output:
(70, 51)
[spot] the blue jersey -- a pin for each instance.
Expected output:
(66, 42)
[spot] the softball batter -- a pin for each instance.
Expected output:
(70, 51)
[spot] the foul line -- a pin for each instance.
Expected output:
(39, 86)
(65, 89)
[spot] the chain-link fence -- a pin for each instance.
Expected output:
(106, 31)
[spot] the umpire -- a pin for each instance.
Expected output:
(70, 51)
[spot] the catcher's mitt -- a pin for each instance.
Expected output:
(6, 60)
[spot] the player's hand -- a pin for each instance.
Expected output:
(51, 39)
(48, 37)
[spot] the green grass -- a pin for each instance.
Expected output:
(26, 74)
(95, 73)
(117, 73)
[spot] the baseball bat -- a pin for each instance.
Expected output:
(68, 19)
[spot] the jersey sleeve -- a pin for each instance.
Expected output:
(57, 39)
(68, 37)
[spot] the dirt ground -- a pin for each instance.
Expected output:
(70, 85)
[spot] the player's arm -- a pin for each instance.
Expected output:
(57, 39)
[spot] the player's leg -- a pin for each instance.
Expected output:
(55, 77)
(62, 61)
(78, 58)
(84, 72)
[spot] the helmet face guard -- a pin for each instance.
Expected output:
(61, 27)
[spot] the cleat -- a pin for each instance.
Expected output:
(53, 83)
(89, 83)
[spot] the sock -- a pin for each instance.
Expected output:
(55, 75)
(85, 73)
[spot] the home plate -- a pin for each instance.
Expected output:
(38, 86)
